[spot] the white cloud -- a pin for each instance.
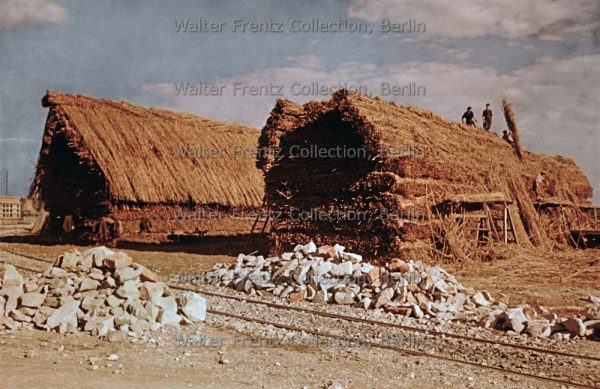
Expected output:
(305, 60)
(555, 20)
(22, 13)
(556, 100)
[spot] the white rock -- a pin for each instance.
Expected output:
(479, 299)
(365, 303)
(152, 291)
(539, 328)
(343, 269)
(167, 304)
(129, 290)
(384, 297)
(127, 273)
(366, 268)
(517, 319)
(105, 325)
(194, 307)
(309, 248)
(352, 257)
(327, 283)
(88, 284)
(323, 268)
(69, 261)
(12, 293)
(11, 277)
(339, 250)
(594, 299)
(286, 292)
(169, 319)
(455, 302)
(97, 254)
(113, 301)
(417, 312)
(67, 313)
(344, 297)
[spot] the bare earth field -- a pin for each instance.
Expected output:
(556, 280)
(41, 359)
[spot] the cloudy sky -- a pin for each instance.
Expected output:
(231, 60)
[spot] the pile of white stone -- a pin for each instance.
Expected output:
(328, 274)
(99, 291)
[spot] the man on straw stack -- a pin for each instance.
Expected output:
(487, 117)
(469, 118)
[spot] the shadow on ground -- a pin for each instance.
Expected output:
(207, 245)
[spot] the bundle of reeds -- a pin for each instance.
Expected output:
(511, 122)
(408, 151)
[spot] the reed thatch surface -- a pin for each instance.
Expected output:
(133, 148)
(414, 154)
(451, 151)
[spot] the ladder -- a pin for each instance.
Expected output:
(260, 215)
(504, 227)
(479, 224)
(260, 218)
(484, 236)
(488, 227)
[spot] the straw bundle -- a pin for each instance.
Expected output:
(408, 150)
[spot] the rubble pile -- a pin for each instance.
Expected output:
(328, 274)
(98, 291)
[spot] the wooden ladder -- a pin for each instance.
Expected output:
(483, 236)
(502, 226)
(259, 216)
(510, 235)
(479, 224)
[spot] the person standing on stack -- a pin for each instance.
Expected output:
(487, 117)
(469, 118)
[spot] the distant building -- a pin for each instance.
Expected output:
(10, 207)
(30, 206)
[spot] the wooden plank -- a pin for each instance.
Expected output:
(505, 224)
(469, 216)
(512, 227)
(491, 222)
(586, 232)
(476, 198)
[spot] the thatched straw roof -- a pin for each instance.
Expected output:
(413, 156)
(134, 149)
(449, 152)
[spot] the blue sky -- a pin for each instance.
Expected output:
(543, 55)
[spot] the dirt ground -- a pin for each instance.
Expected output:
(40, 359)
(48, 360)
(558, 280)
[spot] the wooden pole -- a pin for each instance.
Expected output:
(505, 223)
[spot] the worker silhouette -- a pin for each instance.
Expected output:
(469, 118)
(507, 137)
(487, 117)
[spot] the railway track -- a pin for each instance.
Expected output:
(537, 351)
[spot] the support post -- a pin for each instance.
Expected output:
(505, 223)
